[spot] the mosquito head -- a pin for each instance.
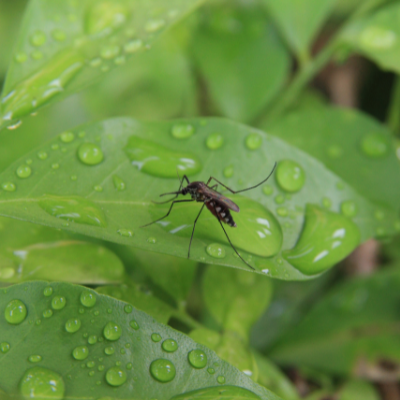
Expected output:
(185, 191)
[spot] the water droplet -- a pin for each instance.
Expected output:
(58, 35)
(182, 131)
(109, 351)
(55, 165)
(377, 38)
(58, 302)
(15, 312)
(214, 141)
(23, 171)
(349, 208)
(156, 337)
(221, 379)
(125, 232)
(133, 46)
(129, 366)
(90, 364)
(41, 383)
(152, 240)
(29, 161)
(112, 331)
(80, 353)
(92, 339)
(90, 154)
(105, 16)
(42, 155)
(253, 141)
(133, 324)
(228, 171)
(73, 208)
(100, 367)
(335, 151)
(38, 39)
(327, 238)
(37, 55)
(379, 215)
(88, 299)
(211, 371)
(8, 186)
(159, 161)
(154, 25)
(119, 184)
(73, 325)
(280, 199)
(110, 51)
(128, 308)
(115, 376)
(55, 146)
(197, 358)
(326, 202)
(48, 291)
(98, 188)
(375, 145)
(47, 313)
(4, 347)
(35, 358)
(268, 190)
(290, 176)
(282, 211)
(20, 58)
(67, 137)
(169, 345)
(216, 250)
(162, 370)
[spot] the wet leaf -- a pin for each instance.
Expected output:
(252, 63)
(113, 350)
(29, 252)
(353, 330)
(65, 46)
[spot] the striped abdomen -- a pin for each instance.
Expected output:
(221, 212)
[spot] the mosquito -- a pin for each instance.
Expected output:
(219, 205)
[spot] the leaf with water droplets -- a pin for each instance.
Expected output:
(353, 330)
(146, 156)
(123, 363)
(90, 38)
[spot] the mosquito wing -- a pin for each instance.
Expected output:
(224, 201)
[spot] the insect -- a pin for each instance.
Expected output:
(219, 205)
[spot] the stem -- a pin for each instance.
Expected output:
(187, 319)
(393, 117)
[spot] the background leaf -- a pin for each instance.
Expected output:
(114, 197)
(69, 45)
(134, 350)
(252, 64)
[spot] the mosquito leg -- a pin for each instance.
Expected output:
(194, 226)
(243, 190)
(166, 215)
(233, 247)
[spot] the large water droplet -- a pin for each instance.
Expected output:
(105, 16)
(116, 376)
(38, 39)
(41, 383)
(214, 141)
(23, 171)
(15, 312)
(253, 141)
(90, 154)
(73, 325)
(182, 131)
(290, 176)
(157, 160)
(197, 358)
(326, 239)
(73, 208)
(375, 145)
(162, 370)
(169, 345)
(88, 299)
(112, 331)
(80, 353)
(119, 184)
(216, 250)
(58, 302)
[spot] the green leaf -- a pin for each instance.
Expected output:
(377, 36)
(252, 64)
(235, 298)
(141, 298)
(299, 21)
(120, 349)
(65, 46)
(352, 145)
(358, 390)
(353, 330)
(29, 252)
(88, 185)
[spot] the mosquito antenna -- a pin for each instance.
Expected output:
(177, 173)
(265, 180)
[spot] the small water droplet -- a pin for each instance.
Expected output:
(214, 141)
(110, 51)
(335, 151)
(47, 313)
(133, 324)
(282, 211)
(48, 291)
(4, 347)
(348, 208)
(129, 366)
(253, 141)
(379, 215)
(211, 371)
(67, 137)
(326, 202)
(128, 308)
(8, 186)
(125, 232)
(197, 358)
(20, 58)
(228, 171)
(14, 126)
(182, 131)
(156, 337)
(55, 146)
(169, 345)
(152, 240)
(98, 188)
(216, 250)
(88, 299)
(37, 55)
(154, 25)
(92, 339)
(73, 325)
(100, 367)
(58, 302)
(90, 364)
(280, 199)
(42, 155)
(290, 176)
(73, 177)
(35, 358)
(38, 39)
(109, 351)
(112, 331)
(90, 154)
(133, 46)
(116, 376)
(80, 353)
(162, 370)
(221, 379)
(29, 161)
(58, 35)
(91, 373)
(15, 312)
(119, 184)
(375, 145)
(55, 165)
